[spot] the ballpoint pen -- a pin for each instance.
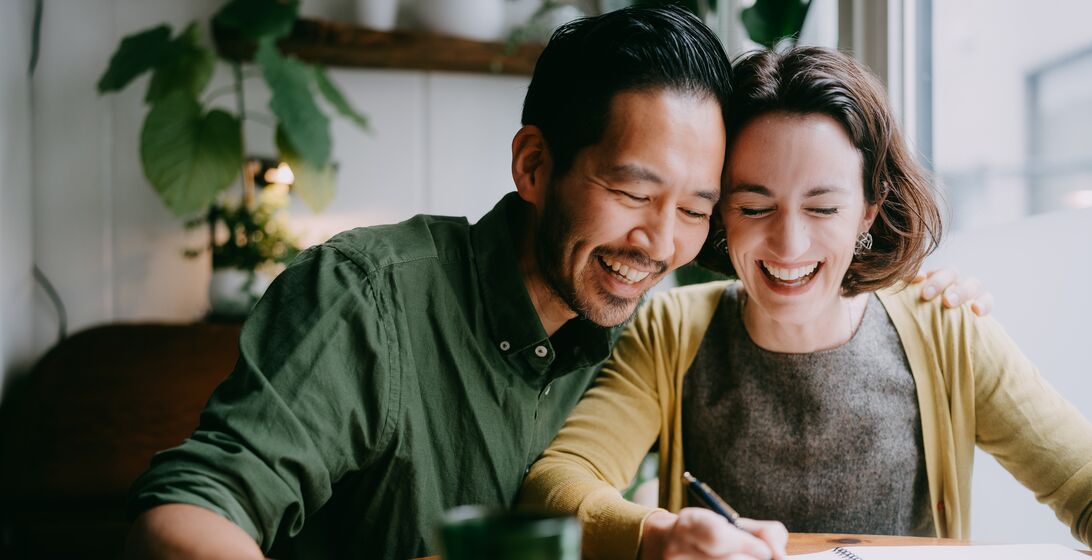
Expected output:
(710, 498)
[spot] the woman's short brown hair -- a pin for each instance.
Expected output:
(812, 80)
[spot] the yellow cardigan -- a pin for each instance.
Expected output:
(973, 386)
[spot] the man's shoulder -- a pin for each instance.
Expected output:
(420, 237)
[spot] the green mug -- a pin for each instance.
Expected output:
(476, 532)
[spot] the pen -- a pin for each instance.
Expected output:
(710, 498)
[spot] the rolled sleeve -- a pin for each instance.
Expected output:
(311, 398)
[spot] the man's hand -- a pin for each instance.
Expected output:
(700, 534)
(185, 531)
(956, 291)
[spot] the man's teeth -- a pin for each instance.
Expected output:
(790, 274)
(631, 275)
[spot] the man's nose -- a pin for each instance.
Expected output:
(656, 235)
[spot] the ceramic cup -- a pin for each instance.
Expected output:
(475, 532)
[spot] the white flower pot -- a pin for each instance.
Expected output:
(377, 14)
(472, 19)
(233, 291)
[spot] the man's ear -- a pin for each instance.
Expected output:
(531, 165)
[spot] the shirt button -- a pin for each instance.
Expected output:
(504, 345)
(541, 351)
(527, 470)
(547, 391)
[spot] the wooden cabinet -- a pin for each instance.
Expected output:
(78, 430)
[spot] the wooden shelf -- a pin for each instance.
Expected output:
(340, 44)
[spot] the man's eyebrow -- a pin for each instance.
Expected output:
(632, 172)
(712, 196)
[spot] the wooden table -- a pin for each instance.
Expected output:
(803, 543)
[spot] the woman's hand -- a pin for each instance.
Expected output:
(700, 534)
(956, 291)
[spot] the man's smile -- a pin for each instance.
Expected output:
(626, 273)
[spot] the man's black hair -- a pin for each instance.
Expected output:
(589, 60)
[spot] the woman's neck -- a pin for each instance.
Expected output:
(834, 326)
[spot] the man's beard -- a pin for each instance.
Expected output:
(554, 241)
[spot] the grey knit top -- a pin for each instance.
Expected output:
(827, 442)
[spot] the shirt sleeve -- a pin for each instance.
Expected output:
(311, 399)
(1032, 430)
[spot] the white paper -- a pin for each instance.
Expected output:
(990, 552)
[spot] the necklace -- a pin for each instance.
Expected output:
(850, 306)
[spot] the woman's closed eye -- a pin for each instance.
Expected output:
(754, 211)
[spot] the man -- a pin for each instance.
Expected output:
(397, 371)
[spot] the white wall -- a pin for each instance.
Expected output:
(439, 144)
(16, 281)
(1038, 270)
(983, 53)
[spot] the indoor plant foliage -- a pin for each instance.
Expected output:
(191, 151)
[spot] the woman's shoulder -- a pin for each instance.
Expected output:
(692, 301)
(904, 304)
(681, 313)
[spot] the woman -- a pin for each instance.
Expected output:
(816, 390)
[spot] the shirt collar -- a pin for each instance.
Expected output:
(516, 328)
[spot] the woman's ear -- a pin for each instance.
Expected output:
(531, 165)
(870, 213)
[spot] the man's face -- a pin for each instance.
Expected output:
(635, 206)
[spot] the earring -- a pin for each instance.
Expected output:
(864, 243)
(720, 240)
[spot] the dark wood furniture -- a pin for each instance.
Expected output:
(340, 44)
(77, 430)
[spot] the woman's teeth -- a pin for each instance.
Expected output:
(627, 274)
(790, 274)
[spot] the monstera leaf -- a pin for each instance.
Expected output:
(188, 155)
(185, 64)
(768, 22)
(334, 96)
(307, 130)
(313, 184)
(137, 54)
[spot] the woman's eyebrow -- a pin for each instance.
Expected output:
(750, 188)
(824, 189)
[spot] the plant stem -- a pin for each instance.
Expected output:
(240, 100)
(262, 118)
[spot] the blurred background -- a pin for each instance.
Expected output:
(995, 95)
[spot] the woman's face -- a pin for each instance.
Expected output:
(793, 207)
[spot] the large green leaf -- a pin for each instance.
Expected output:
(314, 185)
(289, 80)
(332, 94)
(258, 19)
(768, 22)
(137, 54)
(188, 156)
(186, 64)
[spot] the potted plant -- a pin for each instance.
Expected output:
(192, 150)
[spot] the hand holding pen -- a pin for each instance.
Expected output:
(716, 533)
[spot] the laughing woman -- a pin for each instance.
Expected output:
(816, 390)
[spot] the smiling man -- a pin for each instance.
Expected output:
(397, 371)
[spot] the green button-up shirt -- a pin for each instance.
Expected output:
(386, 376)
